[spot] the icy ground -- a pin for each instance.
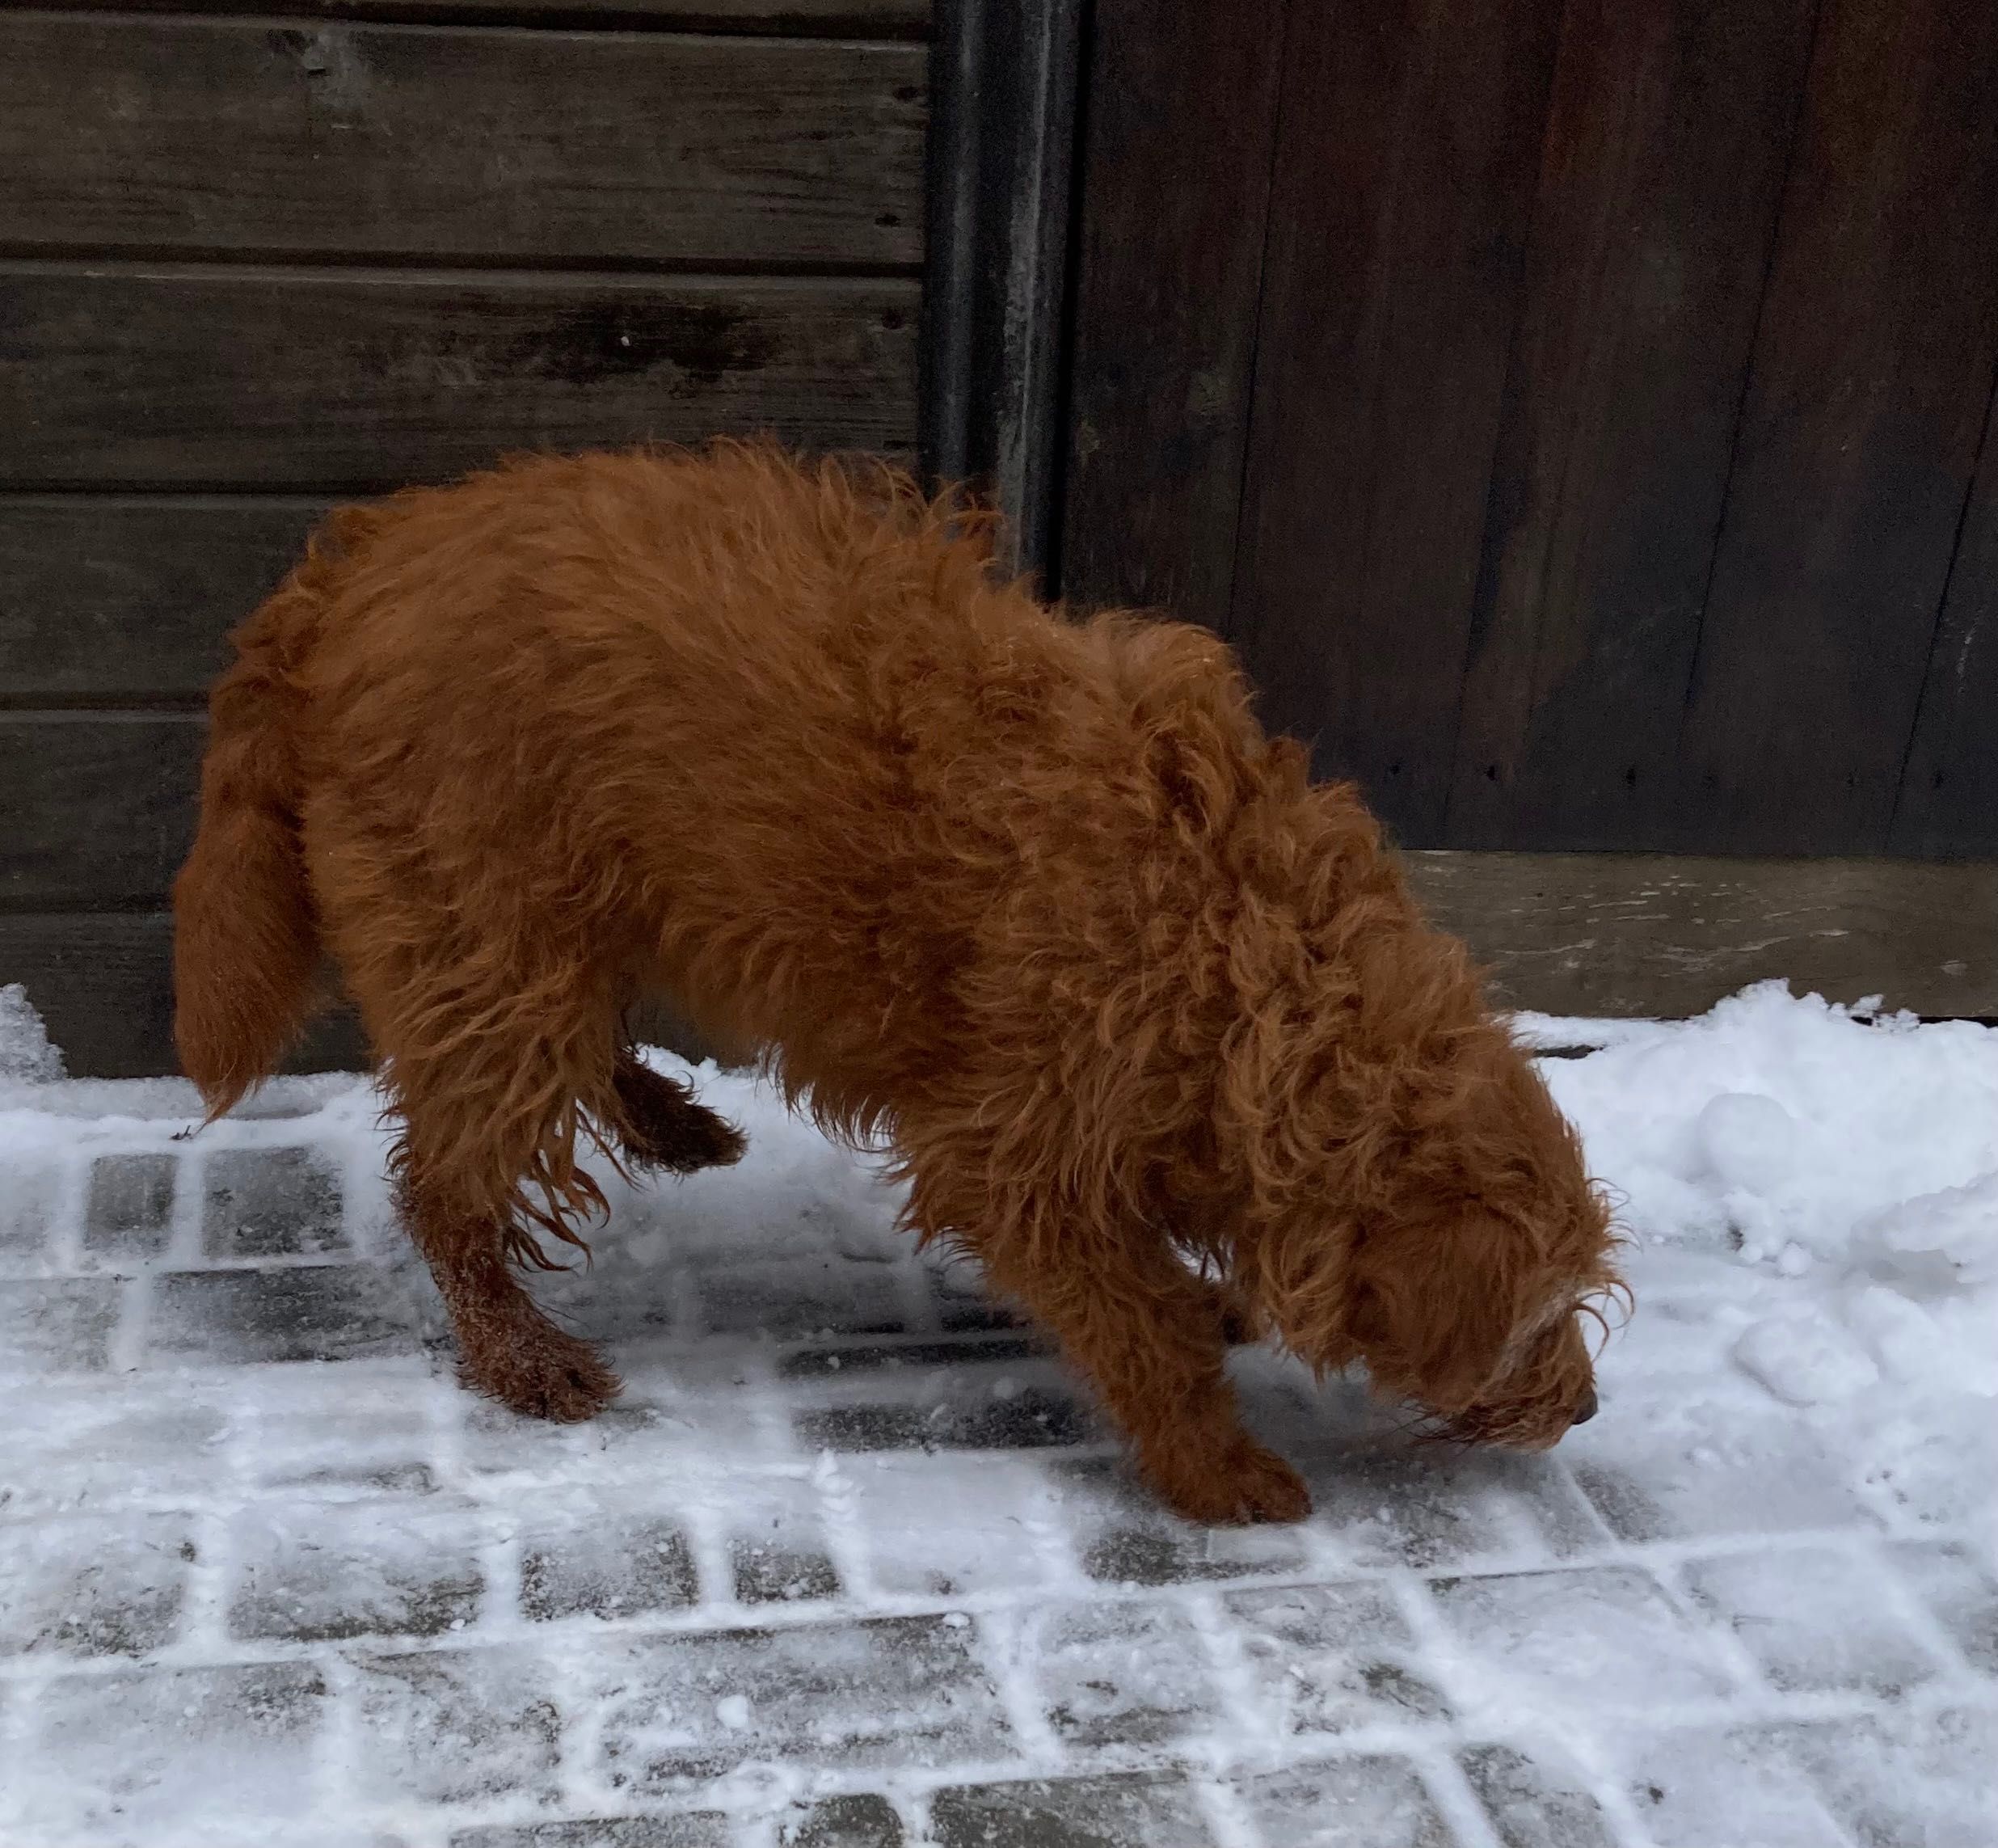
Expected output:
(850, 1565)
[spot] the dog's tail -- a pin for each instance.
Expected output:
(246, 937)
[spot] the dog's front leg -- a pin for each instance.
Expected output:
(1145, 1331)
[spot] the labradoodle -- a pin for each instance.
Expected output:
(1149, 1022)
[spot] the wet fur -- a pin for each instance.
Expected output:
(1149, 1022)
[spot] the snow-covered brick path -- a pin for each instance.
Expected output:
(850, 1565)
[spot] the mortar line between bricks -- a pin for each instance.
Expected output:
(1002, 1639)
(846, 1535)
(584, 1787)
(1227, 1670)
(1932, 1635)
(1226, 1813)
(1735, 1657)
(1767, 1706)
(124, 1350)
(713, 1569)
(63, 1243)
(182, 1249)
(1611, 1790)
(340, 1743)
(204, 1622)
(1437, 1769)
(500, 1616)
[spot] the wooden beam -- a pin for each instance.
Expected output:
(1602, 935)
(790, 19)
(110, 601)
(177, 137)
(103, 984)
(1652, 934)
(1002, 126)
(202, 376)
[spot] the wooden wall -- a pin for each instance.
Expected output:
(251, 266)
(1579, 413)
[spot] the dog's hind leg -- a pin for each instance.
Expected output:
(660, 1124)
(493, 1059)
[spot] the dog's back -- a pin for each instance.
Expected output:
(708, 719)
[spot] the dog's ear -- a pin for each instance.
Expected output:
(1433, 1304)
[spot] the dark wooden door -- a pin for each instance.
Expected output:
(1578, 412)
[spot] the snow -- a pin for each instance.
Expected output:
(265, 1573)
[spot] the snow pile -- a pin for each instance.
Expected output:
(1847, 1161)
(1852, 1152)
(26, 1055)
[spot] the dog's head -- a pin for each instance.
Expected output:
(1466, 1277)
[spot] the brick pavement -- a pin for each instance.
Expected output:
(851, 1566)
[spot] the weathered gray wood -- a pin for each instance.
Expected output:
(353, 382)
(391, 142)
(115, 601)
(96, 808)
(1635, 934)
(104, 985)
(898, 19)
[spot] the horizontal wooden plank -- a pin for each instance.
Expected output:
(356, 381)
(855, 18)
(99, 807)
(112, 601)
(1597, 934)
(245, 137)
(102, 810)
(1639, 935)
(104, 985)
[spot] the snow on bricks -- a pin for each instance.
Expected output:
(852, 1564)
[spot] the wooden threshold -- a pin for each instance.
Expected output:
(1630, 935)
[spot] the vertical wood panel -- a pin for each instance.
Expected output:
(1872, 374)
(1399, 224)
(1948, 800)
(1180, 111)
(1663, 169)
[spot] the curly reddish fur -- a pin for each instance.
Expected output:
(1148, 1023)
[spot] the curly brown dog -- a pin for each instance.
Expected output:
(1149, 1022)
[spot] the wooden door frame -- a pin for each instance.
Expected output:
(998, 218)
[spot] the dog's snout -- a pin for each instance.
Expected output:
(1585, 1407)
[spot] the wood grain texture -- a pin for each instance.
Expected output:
(1176, 161)
(1595, 934)
(1872, 374)
(104, 985)
(856, 18)
(347, 381)
(99, 807)
(1948, 806)
(1633, 935)
(1410, 136)
(383, 142)
(112, 601)
(1661, 174)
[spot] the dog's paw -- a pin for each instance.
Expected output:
(543, 1373)
(665, 1130)
(1243, 1484)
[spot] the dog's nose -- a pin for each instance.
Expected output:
(1585, 1409)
